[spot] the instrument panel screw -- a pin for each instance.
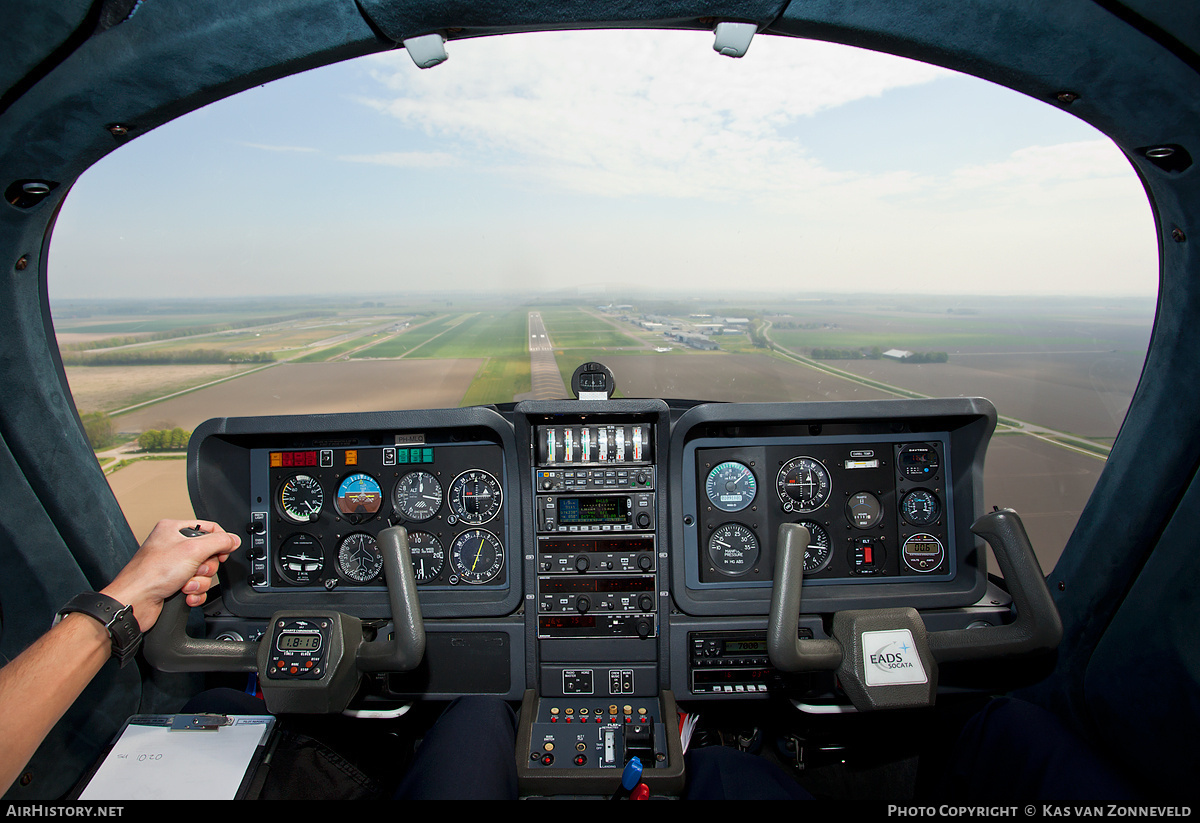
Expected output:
(26, 778)
(1062, 586)
(1177, 235)
(1067, 97)
(23, 262)
(117, 130)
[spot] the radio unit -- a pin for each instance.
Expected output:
(732, 663)
(596, 512)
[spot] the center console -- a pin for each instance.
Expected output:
(599, 596)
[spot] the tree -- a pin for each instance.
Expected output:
(151, 440)
(99, 429)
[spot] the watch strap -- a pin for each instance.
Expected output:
(118, 619)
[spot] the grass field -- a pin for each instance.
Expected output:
(578, 329)
(485, 334)
(500, 380)
(409, 339)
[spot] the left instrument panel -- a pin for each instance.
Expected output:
(321, 510)
(311, 494)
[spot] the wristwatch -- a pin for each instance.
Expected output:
(118, 619)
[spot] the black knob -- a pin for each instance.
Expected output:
(644, 562)
(256, 527)
(646, 602)
(643, 628)
(643, 519)
(582, 563)
(582, 605)
(257, 579)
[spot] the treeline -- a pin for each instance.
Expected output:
(191, 331)
(157, 440)
(758, 335)
(151, 357)
(928, 357)
(876, 353)
(847, 354)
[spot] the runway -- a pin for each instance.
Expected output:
(547, 380)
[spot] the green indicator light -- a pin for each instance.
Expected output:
(401, 455)
(426, 455)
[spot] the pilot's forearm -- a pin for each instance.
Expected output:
(38, 687)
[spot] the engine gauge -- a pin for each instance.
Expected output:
(731, 486)
(923, 553)
(417, 496)
(733, 549)
(359, 558)
(803, 484)
(428, 556)
(477, 556)
(819, 551)
(360, 496)
(864, 510)
(301, 498)
(474, 497)
(300, 560)
(920, 507)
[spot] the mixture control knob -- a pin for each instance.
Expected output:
(582, 563)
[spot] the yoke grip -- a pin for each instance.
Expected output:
(786, 651)
(169, 648)
(1037, 628)
(407, 648)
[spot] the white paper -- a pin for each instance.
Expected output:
(154, 762)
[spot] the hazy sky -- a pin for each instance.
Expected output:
(566, 160)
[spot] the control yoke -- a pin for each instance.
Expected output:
(885, 658)
(307, 661)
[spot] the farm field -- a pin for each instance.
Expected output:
(728, 377)
(150, 490)
(108, 388)
(315, 388)
(1084, 394)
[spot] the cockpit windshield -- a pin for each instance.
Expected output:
(809, 222)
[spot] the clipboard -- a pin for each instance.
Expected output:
(183, 757)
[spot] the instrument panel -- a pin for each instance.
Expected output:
(877, 508)
(327, 505)
(599, 548)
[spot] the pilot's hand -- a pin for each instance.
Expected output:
(168, 562)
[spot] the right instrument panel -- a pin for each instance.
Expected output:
(887, 489)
